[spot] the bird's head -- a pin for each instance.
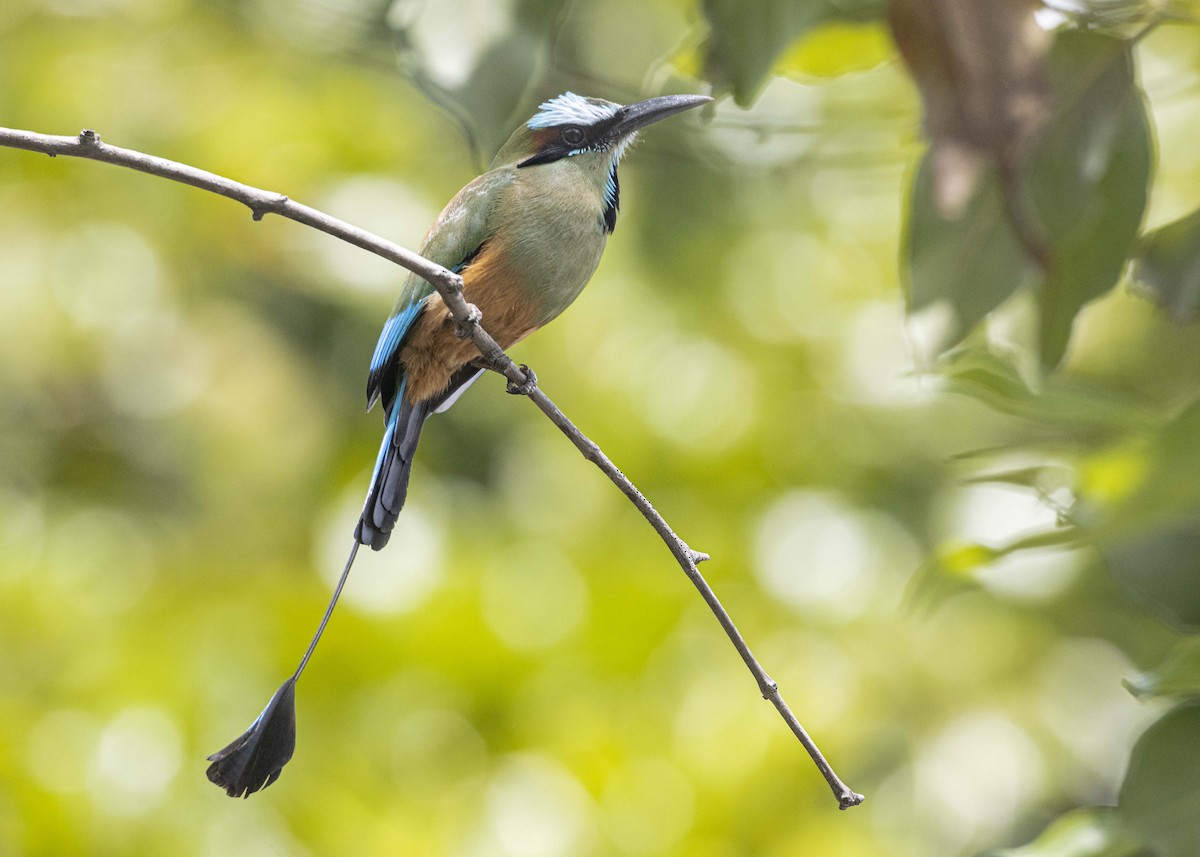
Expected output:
(575, 126)
(589, 134)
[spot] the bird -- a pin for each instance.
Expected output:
(526, 237)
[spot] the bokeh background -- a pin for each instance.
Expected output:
(524, 671)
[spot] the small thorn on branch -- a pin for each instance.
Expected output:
(849, 799)
(698, 556)
(276, 202)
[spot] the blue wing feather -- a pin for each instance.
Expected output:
(392, 335)
(393, 332)
(397, 325)
(453, 241)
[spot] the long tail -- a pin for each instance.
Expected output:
(389, 482)
(257, 757)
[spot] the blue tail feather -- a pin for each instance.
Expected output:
(389, 481)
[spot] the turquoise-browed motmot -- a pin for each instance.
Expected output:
(526, 237)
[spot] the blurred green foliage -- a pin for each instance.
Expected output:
(1167, 267)
(524, 671)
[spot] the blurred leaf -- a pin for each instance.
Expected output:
(1168, 268)
(1086, 410)
(746, 36)
(835, 49)
(494, 94)
(1185, 10)
(979, 65)
(1108, 478)
(1178, 675)
(1113, 13)
(1161, 569)
(1088, 176)
(1160, 798)
(1093, 831)
(944, 573)
(1045, 477)
(1058, 537)
(950, 568)
(1160, 481)
(1141, 502)
(970, 264)
(1175, 460)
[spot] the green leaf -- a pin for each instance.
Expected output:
(1066, 404)
(1163, 485)
(1043, 477)
(1160, 798)
(505, 71)
(746, 36)
(946, 572)
(1178, 675)
(1168, 268)
(1088, 177)
(1161, 569)
(1093, 831)
(1145, 517)
(1184, 10)
(835, 49)
(970, 264)
(951, 568)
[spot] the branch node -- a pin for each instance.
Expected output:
(698, 556)
(768, 687)
(275, 203)
(88, 137)
(848, 799)
(526, 388)
(462, 329)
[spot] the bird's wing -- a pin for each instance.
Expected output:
(453, 241)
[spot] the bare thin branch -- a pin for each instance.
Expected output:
(470, 324)
(688, 560)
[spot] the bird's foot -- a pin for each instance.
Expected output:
(523, 389)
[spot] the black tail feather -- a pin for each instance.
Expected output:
(390, 486)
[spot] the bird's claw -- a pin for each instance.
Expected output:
(523, 389)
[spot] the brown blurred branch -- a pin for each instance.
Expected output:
(469, 318)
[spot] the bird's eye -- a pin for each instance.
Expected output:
(572, 135)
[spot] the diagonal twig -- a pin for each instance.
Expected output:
(450, 286)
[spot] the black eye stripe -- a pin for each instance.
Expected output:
(571, 140)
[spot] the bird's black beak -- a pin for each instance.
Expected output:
(636, 116)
